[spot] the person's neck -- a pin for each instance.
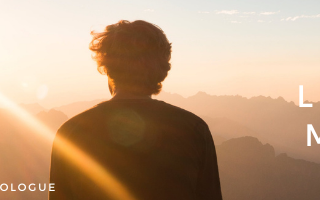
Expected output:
(127, 95)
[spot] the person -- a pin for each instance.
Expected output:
(153, 149)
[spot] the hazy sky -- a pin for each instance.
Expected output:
(244, 47)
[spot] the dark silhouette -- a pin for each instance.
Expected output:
(248, 169)
(155, 150)
(272, 120)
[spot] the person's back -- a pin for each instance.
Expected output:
(133, 147)
(156, 150)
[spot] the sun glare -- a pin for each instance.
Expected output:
(106, 181)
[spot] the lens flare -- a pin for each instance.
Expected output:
(97, 173)
(42, 92)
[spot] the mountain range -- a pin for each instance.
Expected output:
(260, 143)
(276, 121)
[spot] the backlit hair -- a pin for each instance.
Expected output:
(135, 55)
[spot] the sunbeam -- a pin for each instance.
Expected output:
(97, 173)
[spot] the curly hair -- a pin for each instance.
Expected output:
(135, 55)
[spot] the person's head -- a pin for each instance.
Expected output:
(135, 56)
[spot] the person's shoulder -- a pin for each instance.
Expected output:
(184, 113)
(196, 123)
(78, 120)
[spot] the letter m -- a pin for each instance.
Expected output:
(310, 130)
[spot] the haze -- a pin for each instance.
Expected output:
(219, 47)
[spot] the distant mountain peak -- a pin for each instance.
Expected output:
(202, 93)
(251, 146)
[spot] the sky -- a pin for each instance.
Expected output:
(243, 47)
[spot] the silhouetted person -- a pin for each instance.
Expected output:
(155, 150)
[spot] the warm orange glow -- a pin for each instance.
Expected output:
(103, 179)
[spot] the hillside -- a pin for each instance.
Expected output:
(276, 121)
(250, 170)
